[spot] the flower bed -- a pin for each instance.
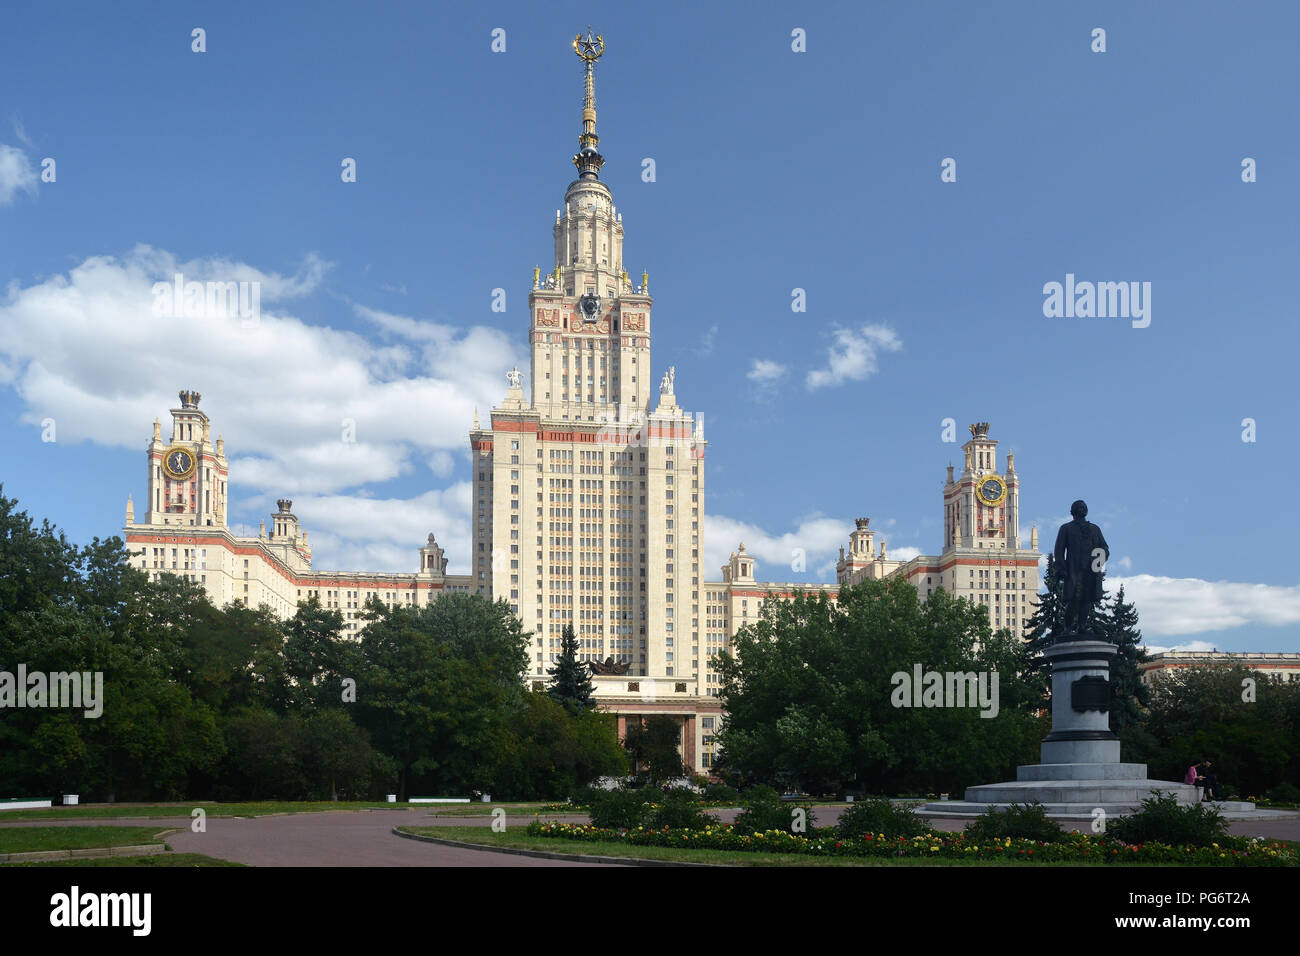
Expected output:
(1073, 848)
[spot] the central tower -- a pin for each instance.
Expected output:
(589, 492)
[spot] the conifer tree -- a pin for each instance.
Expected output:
(570, 678)
(1128, 693)
(1043, 621)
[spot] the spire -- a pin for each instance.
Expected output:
(588, 158)
(130, 510)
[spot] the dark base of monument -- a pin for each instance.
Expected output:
(1080, 735)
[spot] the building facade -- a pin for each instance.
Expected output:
(982, 559)
(184, 532)
(1283, 666)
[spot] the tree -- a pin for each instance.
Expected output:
(318, 657)
(1040, 625)
(652, 747)
(66, 609)
(199, 701)
(437, 685)
(808, 691)
(1129, 695)
(1243, 720)
(570, 678)
(547, 752)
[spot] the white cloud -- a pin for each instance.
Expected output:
(442, 464)
(16, 174)
(818, 536)
(1177, 606)
(307, 411)
(407, 328)
(853, 355)
(766, 372)
(86, 350)
(350, 532)
(707, 341)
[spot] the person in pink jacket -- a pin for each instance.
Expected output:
(1192, 778)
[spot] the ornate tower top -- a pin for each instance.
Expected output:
(588, 158)
(980, 430)
(189, 399)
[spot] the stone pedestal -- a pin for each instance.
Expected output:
(1080, 770)
(1081, 731)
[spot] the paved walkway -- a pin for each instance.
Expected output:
(331, 838)
(365, 838)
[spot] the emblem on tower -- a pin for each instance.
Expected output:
(589, 48)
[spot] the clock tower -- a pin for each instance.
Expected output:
(981, 507)
(187, 473)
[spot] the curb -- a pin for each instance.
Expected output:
(146, 849)
(546, 854)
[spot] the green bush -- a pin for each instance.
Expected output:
(680, 809)
(1020, 821)
(721, 793)
(768, 811)
(584, 795)
(1163, 820)
(1284, 793)
(877, 815)
(618, 809)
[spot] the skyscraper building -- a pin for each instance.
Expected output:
(588, 492)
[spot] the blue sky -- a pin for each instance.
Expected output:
(775, 170)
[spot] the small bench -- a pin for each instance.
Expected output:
(438, 800)
(25, 803)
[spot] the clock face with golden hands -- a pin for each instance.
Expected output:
(178, 463)
(991, 490)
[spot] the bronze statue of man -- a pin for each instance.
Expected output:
(1081, 555)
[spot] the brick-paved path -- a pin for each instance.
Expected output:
(331, 838)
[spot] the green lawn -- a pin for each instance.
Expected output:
(518, 839)
(161, 859)
(32, 839)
